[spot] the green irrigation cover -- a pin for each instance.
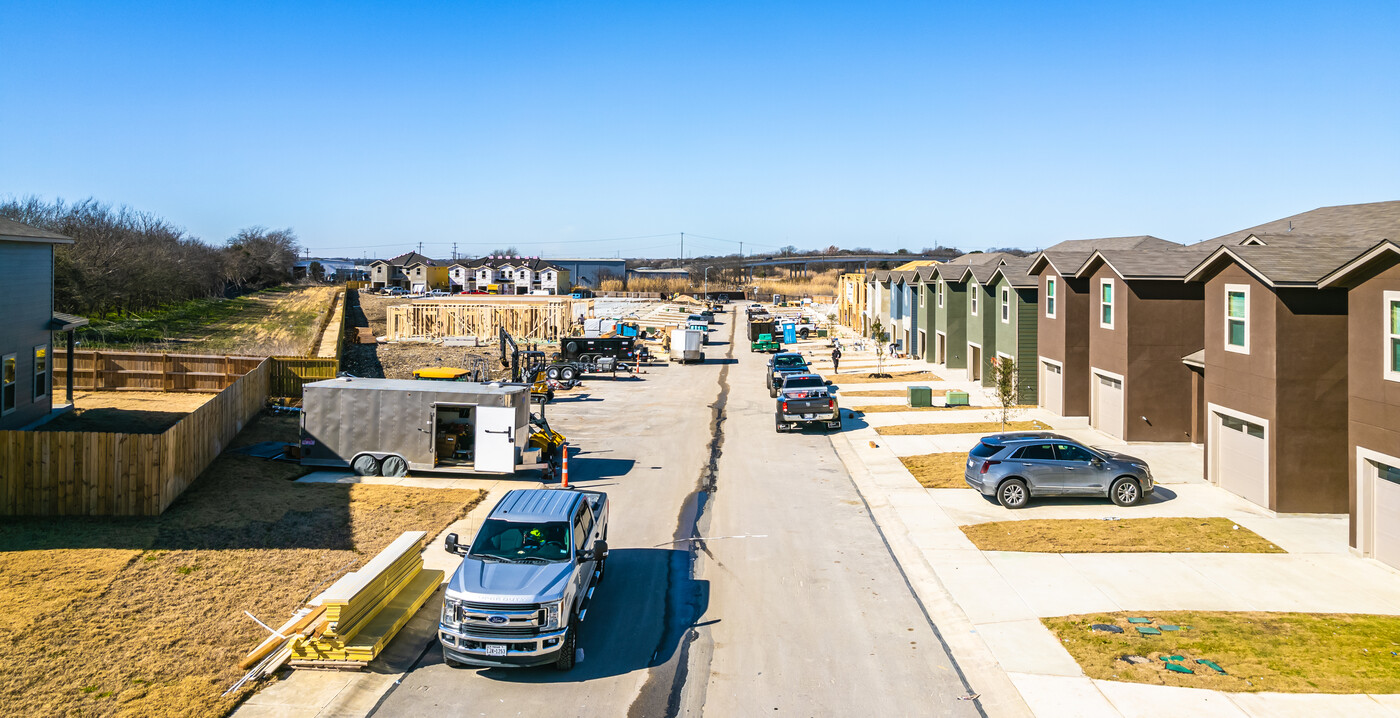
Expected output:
(1169, 627)
(1139, 620)
(1211, 665)
(1178, 668)
(1148, 631)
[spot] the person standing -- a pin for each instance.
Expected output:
(836, 360)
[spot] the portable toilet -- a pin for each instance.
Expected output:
(789, 333)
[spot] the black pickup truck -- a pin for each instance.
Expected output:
(782, 365)
(807, 399)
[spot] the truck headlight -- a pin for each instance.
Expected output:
(551, 614)
(449, 612)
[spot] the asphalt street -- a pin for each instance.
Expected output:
(745, 573)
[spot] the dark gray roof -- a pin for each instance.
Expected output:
(1289, 239)
(410, 258)
(1374, 221)
(63, 322)
(926, 274)
(1148, 263)
(1385, 253)
(1284, 266)
(10, 229)
(1069, 255)
(1015, 271)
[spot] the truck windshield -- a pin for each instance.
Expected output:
(519, 540)
(788, 362)
(804, 382)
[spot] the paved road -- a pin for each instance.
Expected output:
(809, 615)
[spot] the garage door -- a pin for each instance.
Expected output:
(1108, 405)
(1241, 456)
(1385, 518)
(1052, 387)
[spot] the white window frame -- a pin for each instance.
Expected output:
(1388, 348)
(922, 303)
(14, 384)
(940, 292)
(1051, 286)
(1006, 305)
(48, 371)
(1112, 300)
(972, 292)
(1225, 340)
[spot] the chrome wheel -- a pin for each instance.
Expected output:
(1126, 492)
(1013, 494)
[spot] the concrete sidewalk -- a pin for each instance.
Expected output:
(1000, 596)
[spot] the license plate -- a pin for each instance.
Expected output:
(809, 416)
(495, 649)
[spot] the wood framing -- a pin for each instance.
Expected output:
(533, 318)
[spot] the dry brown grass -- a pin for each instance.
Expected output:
(1276, 652)
(817, 283)
(1150, 535)
(970, 427)
(896, 408)
(143, 617)
(898, 376)
(887, 392)
(938, 471)
(127, 412)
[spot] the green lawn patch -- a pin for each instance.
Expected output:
(1152, 535)
(1276, 652)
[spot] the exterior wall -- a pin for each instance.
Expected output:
(926, 315)
(1065, 337)
(850, 301)
(27, 301)
(1311, 445)
(989, 309)
(1017, 337)
(1163, 322)
(951, 319)
(1373, 413)
(973, 325)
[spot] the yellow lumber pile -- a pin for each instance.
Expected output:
(366, 608)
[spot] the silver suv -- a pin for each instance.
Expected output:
(1015, 467)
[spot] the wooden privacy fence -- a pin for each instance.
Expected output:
(65, 473)
(151, 371)
(287, 375)
(543, 320)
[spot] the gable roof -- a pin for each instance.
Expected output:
(21, 232)
(927, 273)
(1147, 263)
(406, 259)
(1016, 273)
(1281, 260)
(1068, 256)
(1373, 221)
(1346, 275)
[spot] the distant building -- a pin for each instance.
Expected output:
(660, 273)
(591, 272)
(508, 275)
(411, 271)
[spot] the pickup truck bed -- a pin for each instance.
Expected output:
(807, 406)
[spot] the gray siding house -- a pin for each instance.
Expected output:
(26, 335)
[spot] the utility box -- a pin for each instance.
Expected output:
(821, 332)
(920, 396)
(955, 398)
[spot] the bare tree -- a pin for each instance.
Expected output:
(881, 337)
(257, 257)
(1005, 381)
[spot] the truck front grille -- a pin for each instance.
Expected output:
(486, 629)
(475, 606)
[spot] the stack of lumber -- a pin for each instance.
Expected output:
(363, 335)
(366, 608)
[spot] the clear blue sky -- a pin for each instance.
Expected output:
(368, 127)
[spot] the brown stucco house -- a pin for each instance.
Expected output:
(1142, 320)
(1062, 333)
(1372, 285)
(1275, 369)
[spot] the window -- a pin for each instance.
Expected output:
(940, 293)
(1237, 318)
(1005, 305)
(1106, 303)
(1042, 452)
(1392, 335)
(582, 526)
(923, 291)
(972, 297)
(1242, 426)
(1070, 452)
(983, 450)
(41, 371)
(8, 375)
(1050, 297)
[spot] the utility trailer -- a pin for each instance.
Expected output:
(390, 426)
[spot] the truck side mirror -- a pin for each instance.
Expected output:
(600, 549)
(451, 544)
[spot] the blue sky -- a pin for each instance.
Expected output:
(553, 125)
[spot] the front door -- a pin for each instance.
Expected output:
(495, 439)
(941, 348)
(974, 362)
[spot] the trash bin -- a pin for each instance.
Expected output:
(920, 396)
(955, 398)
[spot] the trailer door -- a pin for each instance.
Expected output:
(495, 439)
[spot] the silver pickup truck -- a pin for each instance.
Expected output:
(806, 399)
(525, 582)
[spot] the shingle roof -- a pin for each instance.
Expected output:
(1148, 263)
(1290, 239)
(1385, 252)
(1278, 266)
(1374, 221)
(1069, 255)
(404, 260)
(926, 274)
(1015, 271)
(19, 230)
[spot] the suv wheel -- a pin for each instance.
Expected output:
(1013, 494)
(565, 661)
(1126, 492)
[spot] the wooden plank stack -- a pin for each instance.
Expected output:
(366, 608)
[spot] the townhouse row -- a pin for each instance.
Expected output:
(1277, 347)
(500, 274)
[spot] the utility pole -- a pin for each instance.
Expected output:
(420, 247)
(454, 251)
(682, 246)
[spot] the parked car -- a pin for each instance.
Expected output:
(782, 364)
(806, 399)
(438, 293)
(396, 291)
(524, 585)
(1015, 467)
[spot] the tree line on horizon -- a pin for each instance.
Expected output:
(123, 260)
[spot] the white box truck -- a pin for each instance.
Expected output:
(685, 346)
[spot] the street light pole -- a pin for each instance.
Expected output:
(707, 283)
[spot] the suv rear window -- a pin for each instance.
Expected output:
(983, 450)
(789, 362)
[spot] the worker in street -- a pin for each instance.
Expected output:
(836, 360)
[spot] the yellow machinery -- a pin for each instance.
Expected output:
(540, 391)
(442, 373)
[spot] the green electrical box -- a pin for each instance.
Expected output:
(955, 398)
(821, 332)
(920, 396)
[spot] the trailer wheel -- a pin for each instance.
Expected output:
(568, 373)
(393, 466)
(552, 372)
(365, 465)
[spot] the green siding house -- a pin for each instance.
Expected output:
(1016, 322)
(924, 288)
(950, 316)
